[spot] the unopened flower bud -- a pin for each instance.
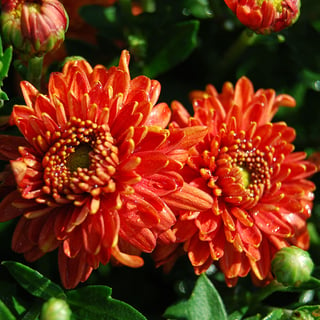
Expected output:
(55, 309)
(265, 16)
(292, 266)
(33, 27)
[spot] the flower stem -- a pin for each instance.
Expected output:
(245, 39)
(34, 72)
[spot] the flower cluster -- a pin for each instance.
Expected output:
(100, 177)
(102, 172)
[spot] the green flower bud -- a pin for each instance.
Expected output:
(55, 309)
(292, 266)
(33, 28)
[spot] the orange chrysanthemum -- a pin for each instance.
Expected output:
(265, 16)
(261, 198)
(96, 170)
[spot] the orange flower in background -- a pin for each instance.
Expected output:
(96, 170)
(265, 16)
(261, 198)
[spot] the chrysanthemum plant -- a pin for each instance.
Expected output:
(159, 160)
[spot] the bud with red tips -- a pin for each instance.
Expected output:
(33, 27)
(265, 16)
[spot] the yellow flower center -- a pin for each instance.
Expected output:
(245, 176)
(240, 173)
(80, 158)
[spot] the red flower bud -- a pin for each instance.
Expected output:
(265, 16)
(33, 27)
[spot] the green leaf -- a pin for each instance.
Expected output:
(32, 281)
(275, 315)
(5, 312)
(307, 312)
(172, 47)
(95, 302)
(198, 8)
(98, 16)
(9, 296)
(5, 62)
(238, 314)
(204, 303)
(33, 313)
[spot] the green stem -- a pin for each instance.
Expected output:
(34, 72)
(264, 292)
(246, 38)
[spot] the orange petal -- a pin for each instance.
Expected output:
(7, 210)
(127, 259)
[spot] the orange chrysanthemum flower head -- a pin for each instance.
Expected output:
(33, 28)
(261, 197)
(96, 169)
(266, 16)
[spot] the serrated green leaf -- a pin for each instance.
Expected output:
(5, 313)
(32, 281)
(204, 303)
(94, 302)
(172, 47)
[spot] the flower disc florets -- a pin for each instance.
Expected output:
(83, 159)
(261, 198)
(97, 170)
